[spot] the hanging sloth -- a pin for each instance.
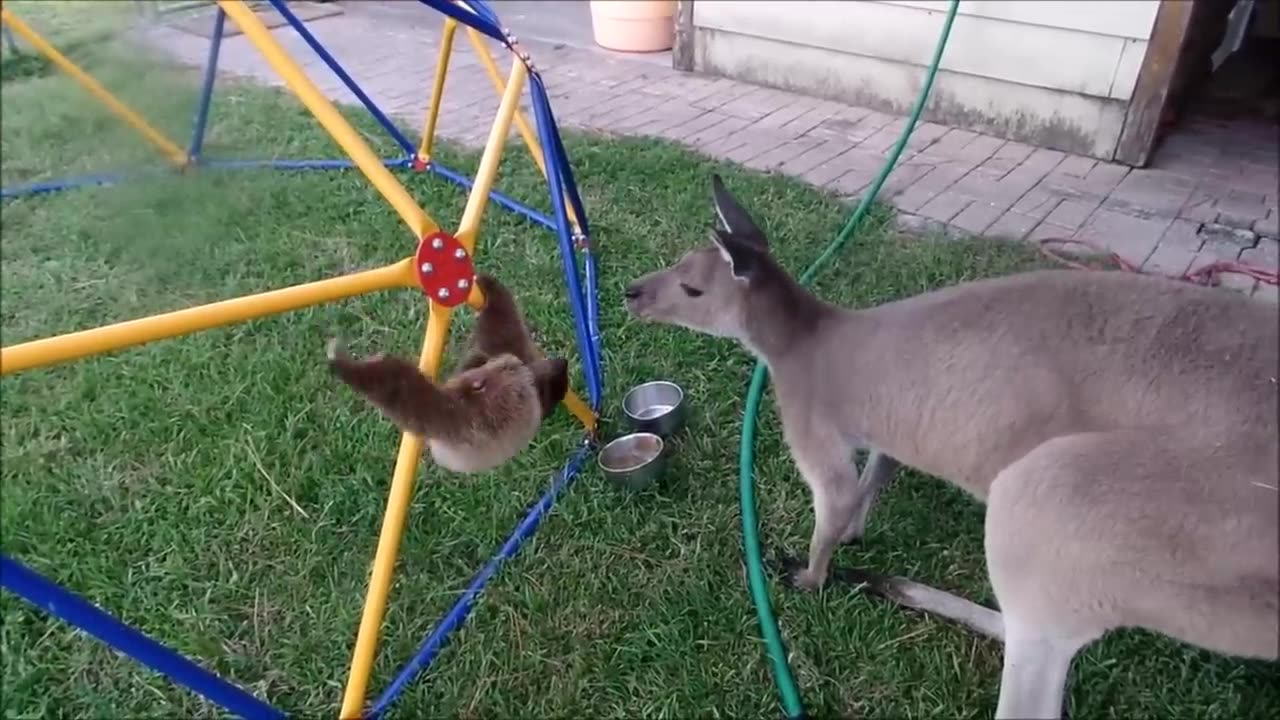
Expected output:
(488, 410)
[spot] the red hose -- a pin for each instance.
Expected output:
(1206, 275)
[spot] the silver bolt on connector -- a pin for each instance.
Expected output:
(442, 293)
(437, 243)
(427, 267)
(463, 284)
(460, 253)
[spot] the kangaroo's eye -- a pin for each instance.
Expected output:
(690, 290)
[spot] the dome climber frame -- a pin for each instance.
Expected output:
(568, 222)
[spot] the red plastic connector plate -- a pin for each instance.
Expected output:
(444, 269)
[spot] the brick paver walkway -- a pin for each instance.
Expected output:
(1208, 197)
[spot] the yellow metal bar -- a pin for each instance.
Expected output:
(260, 37)
(411, 446)
(469, 225)
(491, 69)
(527, 134)
(61, 348)
(437, 87)
(580, 410)
(384, 560)
(175, 154)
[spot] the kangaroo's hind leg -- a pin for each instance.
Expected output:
(1051, 565)
(1132, 528)
(876, 475)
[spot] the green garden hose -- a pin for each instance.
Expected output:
(788, 693)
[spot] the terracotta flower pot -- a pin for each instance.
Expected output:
(634, 25)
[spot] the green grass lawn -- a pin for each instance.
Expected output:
(160, 482)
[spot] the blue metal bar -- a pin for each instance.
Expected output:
(568, 259)
(296, 164)
(435, 640)
(10, 41)
(206, 87)
(346, 79)
(593, 319)
(61, 603)
(48, 186)
(487, 25)
(589, 260)
(566, 169)
(562, 156)
(503, 200)
(538, 90)
(577, 304)
(568, 255)
(482, 9)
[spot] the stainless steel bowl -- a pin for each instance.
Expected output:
(656, 407)
(633, 461)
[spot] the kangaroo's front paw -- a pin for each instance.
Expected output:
(796, 575)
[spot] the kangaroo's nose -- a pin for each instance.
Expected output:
(632, 292)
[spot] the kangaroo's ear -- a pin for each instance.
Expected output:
(736, 220)
(743, 257)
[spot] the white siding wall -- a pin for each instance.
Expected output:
(1055, 72)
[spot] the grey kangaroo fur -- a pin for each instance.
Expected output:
(1120, 428)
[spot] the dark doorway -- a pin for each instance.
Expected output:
(1227, 69)
(1225, 91)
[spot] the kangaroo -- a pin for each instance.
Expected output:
(1120, 428)
(485, 413)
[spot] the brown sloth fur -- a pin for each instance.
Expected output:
(488, 410)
